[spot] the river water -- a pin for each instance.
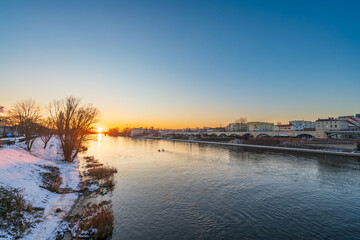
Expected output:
(202, 191)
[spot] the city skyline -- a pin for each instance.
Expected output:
(184, 64)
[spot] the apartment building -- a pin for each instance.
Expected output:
(331, 124)
(260, 126)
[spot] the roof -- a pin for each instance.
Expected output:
(284, 125)
(329, 119)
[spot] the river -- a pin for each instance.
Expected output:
(201, 191)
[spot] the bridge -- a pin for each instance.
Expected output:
(294, 134)
(353, 134)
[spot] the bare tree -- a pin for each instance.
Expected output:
(126, 132)
(241, 124)
(73, 122)
(241, 120)
(26, 113)
(46, 130)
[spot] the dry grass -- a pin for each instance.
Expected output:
(51, 179)
(108, 182)
(90, 159)
(98, 174)
(83, 149)
(92, 162)
(92, 165)
(101, 172)
(96, 222)
(16, 216)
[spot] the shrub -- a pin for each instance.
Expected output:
(96, 222)
(16, 216)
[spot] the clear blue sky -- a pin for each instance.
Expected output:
(184, 63)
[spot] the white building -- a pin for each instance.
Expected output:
(260, 126)
(238, 127)
(301, 125)
(137, 132)
(284, 127)
(353, 121)
(331, 124)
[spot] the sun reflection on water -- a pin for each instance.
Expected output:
(99, 145)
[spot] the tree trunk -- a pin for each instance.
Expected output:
(45, 144)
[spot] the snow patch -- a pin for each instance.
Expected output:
(21, 169)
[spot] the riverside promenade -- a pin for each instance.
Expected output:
(303, 150)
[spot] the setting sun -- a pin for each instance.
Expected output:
(100, 129)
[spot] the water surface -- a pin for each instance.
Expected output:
(201, 191)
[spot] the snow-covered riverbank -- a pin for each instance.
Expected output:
(22, 170)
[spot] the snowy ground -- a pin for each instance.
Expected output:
(20, 169)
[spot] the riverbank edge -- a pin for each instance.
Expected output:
(284, 149)
(79, 205)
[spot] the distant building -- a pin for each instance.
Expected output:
(238, 127)
(137, 132)
(353, 121)
(218, 129)
(260, 126)
(331, 124)
(7, 129)
(301, 125)
(113, 132)
(284, 127)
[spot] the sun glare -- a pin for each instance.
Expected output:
(100, 129)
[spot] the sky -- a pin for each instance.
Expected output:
(176, 64)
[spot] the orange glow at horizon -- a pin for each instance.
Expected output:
(183, 123)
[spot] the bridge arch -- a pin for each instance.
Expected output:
(248, 135)
(305, 136)
(282, 136)
(263, 135)
(235, 135)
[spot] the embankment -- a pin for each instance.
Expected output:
(274, 148)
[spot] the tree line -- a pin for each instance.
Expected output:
(67, 119)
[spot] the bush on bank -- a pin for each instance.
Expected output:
(16, 215)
